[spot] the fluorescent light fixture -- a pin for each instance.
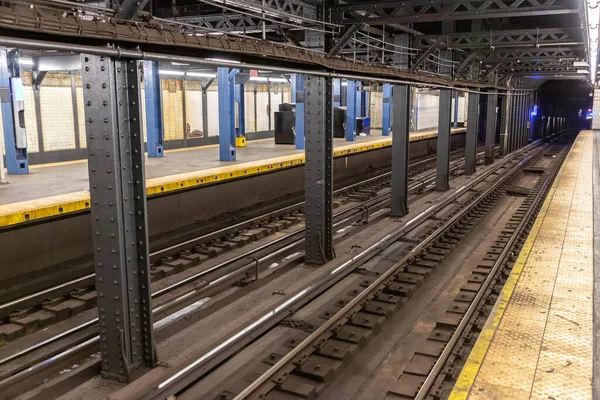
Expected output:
(265, 79)
(344, 83)
(581, 64)
(583, 71)
(201, 74)
(224, 61)
(25, 61)
(178, 63)
(171, 72)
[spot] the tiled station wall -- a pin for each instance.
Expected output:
(60, 112)
(426, 104)
(63, 127)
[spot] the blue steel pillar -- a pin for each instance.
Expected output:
(358, 100)
(297, 97)
(386, 112)
(351, 110)
(337, 93)
(227, 151)
(240, 127)
(13, 118)
(154, 117)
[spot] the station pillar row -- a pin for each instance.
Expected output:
(115, 147)
(318, 177)
(13, 113)
(154, 116)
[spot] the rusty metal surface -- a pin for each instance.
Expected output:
(69, 26)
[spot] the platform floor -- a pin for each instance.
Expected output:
(538, 341)
(59, 188)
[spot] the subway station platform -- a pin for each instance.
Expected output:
(57, 189)
(538, 341)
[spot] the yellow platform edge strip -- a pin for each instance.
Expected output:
(467, 377)
(23, 213)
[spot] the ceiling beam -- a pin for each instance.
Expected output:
(403, 12)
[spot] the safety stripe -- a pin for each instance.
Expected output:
(467, 377)
(18, 213)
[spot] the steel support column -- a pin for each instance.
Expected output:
(518, 136)
(13, 113)
(401, 123)
(490, 129)
(227, 151)
(524, 122)
(351, 110)
(337, 93)
(442, 181)
(505, 123)
(472, 129)
(455, 125)
(386, 109)
(111, 90)
(514, 118)
(318, 170)
(297, 97)
(154, 116)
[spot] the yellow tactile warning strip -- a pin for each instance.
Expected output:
(537, 342)
(17, 213)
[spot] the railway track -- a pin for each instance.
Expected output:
(321, 343)
(81, 338)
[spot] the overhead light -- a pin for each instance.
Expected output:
(178, 63)
(265, 79)
(201, 74)
(583, 71)
(25, 61)
(581, 64)
(224, 61)
(171, 72)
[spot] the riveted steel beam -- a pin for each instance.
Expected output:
(111, 92)
(318, 187)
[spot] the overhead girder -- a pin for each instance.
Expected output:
(498, 39)
(387, 12)
(291, 7)
(230, 23)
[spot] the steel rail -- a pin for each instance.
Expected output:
(342, 314)
(8, 307)
(429, 178)
(209, 360)
(439, 364)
